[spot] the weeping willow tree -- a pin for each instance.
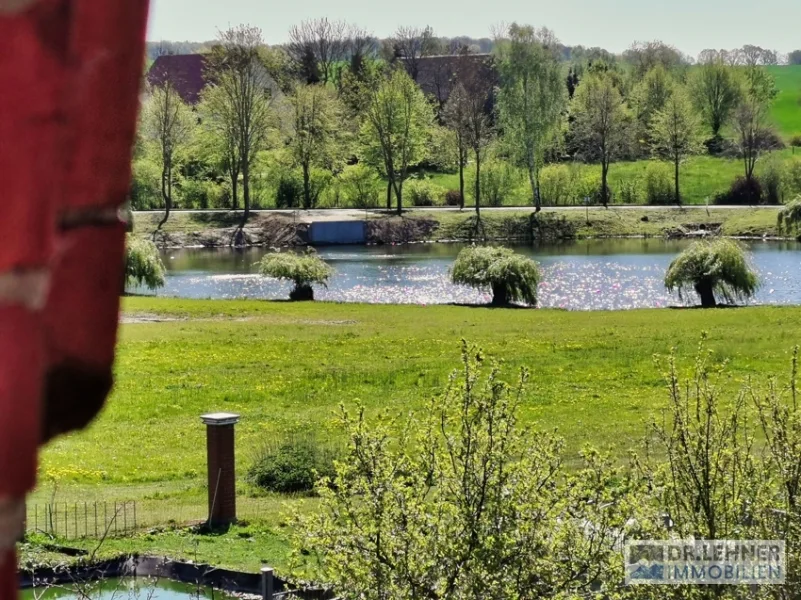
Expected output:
(143, 266)
(789, 218)
(713, 268)
(511, 277)
(301, 269)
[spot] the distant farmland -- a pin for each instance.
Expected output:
(787, 108)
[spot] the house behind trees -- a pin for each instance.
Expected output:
(438, 75)
(189, 75)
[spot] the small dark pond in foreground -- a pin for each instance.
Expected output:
(127, 589)
(583, 275)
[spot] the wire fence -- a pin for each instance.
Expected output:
(94, 520)
(74, 520)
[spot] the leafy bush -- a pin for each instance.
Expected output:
(360, 186)
(319, 182)
(301, 269)
(628, 191)
(793, 175)
(511, 277)
(795, 141)
(454, 198)
(659, 184)
(772, 180)
(498, 180)
(709, 268)
(145, 192)
(143, 266)
(484, 494)
(789, 217)
(441, 152)
(742, 192)
(201, 194)
(423, 193)
(289, 191)
(556, 185)
(475, 506)
(294, 465)
(588, 186)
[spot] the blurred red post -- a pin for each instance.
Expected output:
(69, 87)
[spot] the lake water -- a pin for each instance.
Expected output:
(127, 589)
(583, 275)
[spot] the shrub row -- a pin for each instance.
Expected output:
(359, 186)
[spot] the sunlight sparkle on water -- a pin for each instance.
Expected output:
(588, 275)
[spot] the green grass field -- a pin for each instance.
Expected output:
(787, 106)
(285, 367)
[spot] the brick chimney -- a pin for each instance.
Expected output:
(221, 467)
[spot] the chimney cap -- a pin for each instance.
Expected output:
(220, 418)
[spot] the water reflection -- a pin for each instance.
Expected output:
(584, 275)
(125, 589)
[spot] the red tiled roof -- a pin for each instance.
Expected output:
(186, 72)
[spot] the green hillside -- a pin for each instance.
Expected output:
(787, 108)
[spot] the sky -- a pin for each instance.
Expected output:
(690, 25)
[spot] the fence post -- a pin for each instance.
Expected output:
(267, 583)
(134, 515)
(95, 518)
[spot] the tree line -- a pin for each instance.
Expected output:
(336, 107)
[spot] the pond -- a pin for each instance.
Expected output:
(583, 275)
(127, 589)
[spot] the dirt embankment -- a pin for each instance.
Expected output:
(213, 230)
(282, 231)
(261, 230)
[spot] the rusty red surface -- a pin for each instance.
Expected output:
(71, 71)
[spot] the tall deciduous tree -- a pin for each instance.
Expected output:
(360, 46)
(751, 118)
(601, 125)
(456, 119)
(532, 97)
(394, 129)
(219, 137)
(242, 97)
(317, 135)
(653, 91)
(676, 132)
(644, 56)
(716, 90)
(168, 124)
(751, 124)
(413, 44)
(315, 46)
(466, 113)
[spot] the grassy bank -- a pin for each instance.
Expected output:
(745, 222)
(286, 367)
